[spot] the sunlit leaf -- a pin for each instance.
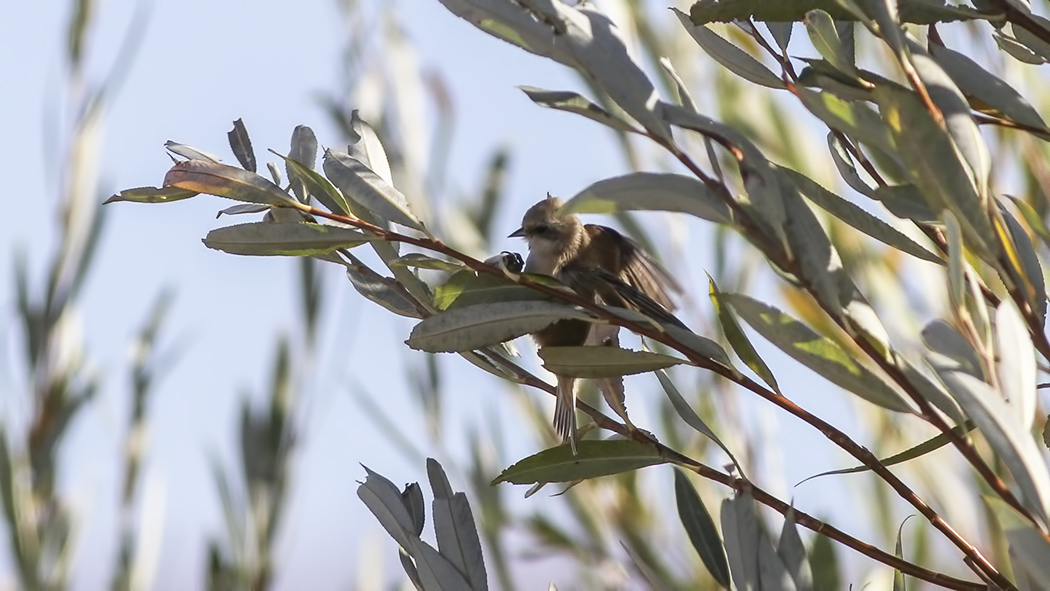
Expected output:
(573, 102)
(152, 195)
(231, 182)
(826, 40)
(369, 190)
(737, 339)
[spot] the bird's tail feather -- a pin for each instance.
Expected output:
(565, 411)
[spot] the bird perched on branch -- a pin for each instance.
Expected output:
(601, 265)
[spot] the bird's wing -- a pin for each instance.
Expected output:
(606, 288)
(637, 268)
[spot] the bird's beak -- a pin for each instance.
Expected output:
(519, 233)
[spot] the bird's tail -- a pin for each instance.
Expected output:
(565, 411)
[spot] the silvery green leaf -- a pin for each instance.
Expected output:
(979, 83)
(810, 246)
(422, 261)
(934, 165)
(190, 153)
(700, 344)
(1029, 39)
(1030, 268)
(472, 327)
(370, 286)
(574, 102)
(730, 56)
(1011, 440)
(436, 572)
(303, 151)
(602, 362)
(243, 208)
(825, 38)
(369, 190)
(684, 98)
(844, 163)
(594, 458)
(817, 352)
(304, 178)
(287, 239)
(687, 414)
(781, 32)
(1017, 365)
(514, 24)
(701, 529)
(940, 337)
(956, 110)
(368, 150)
(241, 145)
(753, 561)
(650, 191)
(457, 535)
(383, 499)
(1017, 50)
(738, 339)
(858, 218)
(792, 552)
(906, 202)
(1028, 546)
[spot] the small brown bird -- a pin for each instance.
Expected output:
(600, 264)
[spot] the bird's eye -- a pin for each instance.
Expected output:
(540, 229)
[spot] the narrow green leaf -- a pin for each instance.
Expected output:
(733, 58)
(858, 218)
(1026, 264)
(241, 145)
(454, 527)
(473, 327)
(603, 362)
(1011, 441)
(993, 92)
(469, 288)
(316, 185)
(383, 499)
(824, 562)
(367, 148)
(594, 458)
(816, 352)
(303, 150)
(1017, 362)
(218, 179)
(690, 417)
(573, 102)
(372, 286)
(288, 239)
(737, 339)
(422, 261)
(792, 553)
(899, 583)
(152, 195)
(701, 529)
(648, 191)
(1028, 546)
(826, 40)
(190, 153)
(368, 189)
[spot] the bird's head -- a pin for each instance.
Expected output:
(553, 238)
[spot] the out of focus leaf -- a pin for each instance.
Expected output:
(1027, 544)
(602, 362)
(594, 458)
(422, 261)
(573, 102)
(241, 145)
(362, 185)
(816, 352)
(152, 195)
(218, 179)
(824, 562)
(701, 529)
(1017, 365)
(473, 327)
(733, 58)
(1026, 264)
(941, 337)
(792, 552)
(898, 550)
(457, 535)
(1010, 440)
(650, 191)
(753, 562)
